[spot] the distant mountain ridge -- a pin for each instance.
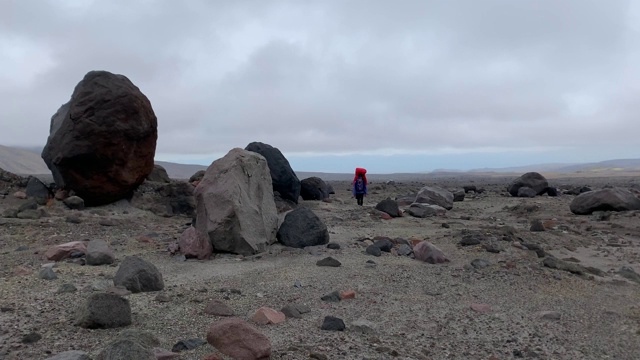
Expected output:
(27, 161)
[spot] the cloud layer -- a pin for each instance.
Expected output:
(339, 77)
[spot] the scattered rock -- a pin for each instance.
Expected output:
(549, 315)
(47, 273)
(218, 308)
(404, 250)
(331, 297)
(144, 338)
(429, 253)
(74, 202)
(194, 244)
(328, 261)
(481, 308)
(37, 190)
(314, 188)
(266, 316)
(536, 226)
(629, 273)
(554, 263)
(458, 196)
(347, 294)
(425, 210)
(364, 327)
(384, 244)
(331, 323)
(615, 199)
(138, 275)
(389, 207)
(239, 340)
(373, 250)
(302, 228)
(66, 288)
(434, 195)
(99, 253)
(333, 246)
(471, 240)
(532, 180)
(480, 263)
(103, 310)
(30, 338)
(185, 345)
(70, 355)
(63, 251)
(126, 349)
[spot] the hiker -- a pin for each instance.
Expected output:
(360, 189)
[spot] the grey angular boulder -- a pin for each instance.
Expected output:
(532, 180)
(138, 275)
(126, 349)
(314, 188)
(615, 199)
(283, 178)
(302, 228)
(99, 253)
(435, 195)
(104, 311)
(235, 205)
(390, 207)
(102, 142)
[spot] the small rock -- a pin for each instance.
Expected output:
(318, 356)
(218, 308)
(163, 297)
(629, 273)
(190, 344)
(480, 263)
(238, 339)
(549, 315)
(536, 226)
(348, 294)
(74, 202)
(481, 308)
(66, 288)
(31, 338)
(266, 315)
(47, 273)
(373, 250)
(291, 311)
(334, 246)
(404, 250)
(332, 323)
(331, 297)
(364, 327)
(329, 261)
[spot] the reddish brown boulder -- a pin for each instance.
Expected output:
(266, 316)
(63, 251)
(194, 244)
(102, 142)
(239, 339)
(429, 253)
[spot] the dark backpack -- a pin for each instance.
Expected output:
(360, 185)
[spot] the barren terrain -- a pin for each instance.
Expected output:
(521, 309)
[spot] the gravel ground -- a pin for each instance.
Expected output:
(417, 310)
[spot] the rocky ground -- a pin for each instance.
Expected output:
(505, 305)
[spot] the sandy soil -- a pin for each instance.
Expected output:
(417, 310)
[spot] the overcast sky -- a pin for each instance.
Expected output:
(389, 85)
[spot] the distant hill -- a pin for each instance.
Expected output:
(22, 162)
(27, 161)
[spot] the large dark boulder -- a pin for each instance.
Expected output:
(616, 199)
(301, 228)
(102, 142)
(532, 180)
(284, 179)
(314, 188)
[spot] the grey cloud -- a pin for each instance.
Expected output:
(338, 76)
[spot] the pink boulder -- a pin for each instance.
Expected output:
(265, 316)
(63, 251)
(429, 253)
(238, 339)
(194, 244)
